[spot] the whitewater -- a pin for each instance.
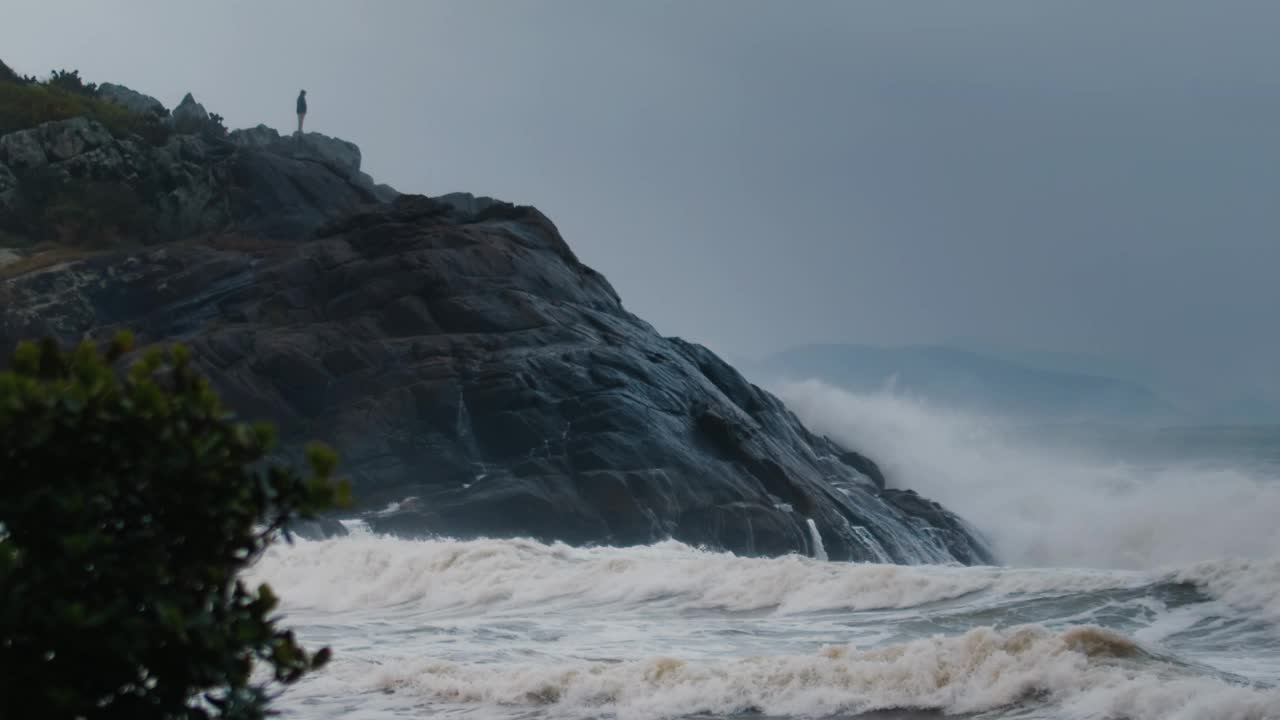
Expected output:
(1134, 589)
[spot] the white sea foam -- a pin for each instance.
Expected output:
(379, 571)
(819, 550)
(521, 629)
(500, 628)
(1083, 672)
(1041, 507)
(1244, 584)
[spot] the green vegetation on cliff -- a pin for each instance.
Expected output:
(26, 102)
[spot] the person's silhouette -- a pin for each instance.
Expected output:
(302, 109)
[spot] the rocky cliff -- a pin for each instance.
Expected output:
(475, 376)
(251, 181)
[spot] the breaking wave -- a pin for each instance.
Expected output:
(1136, 593)
(1082, 672)
(369, 571)
(1044, 507)
(521, 629)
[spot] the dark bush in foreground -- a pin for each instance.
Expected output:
(128, 506)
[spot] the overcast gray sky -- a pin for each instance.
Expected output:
(1084, 177)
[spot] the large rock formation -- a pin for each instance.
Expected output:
(339, 156)
(253, 182)
(479, 380)
(190, 111)
(132, 100)
(475, 376)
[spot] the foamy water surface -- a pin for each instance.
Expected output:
(513, 628)
(1132, 592)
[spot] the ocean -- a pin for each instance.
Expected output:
(1141, 579)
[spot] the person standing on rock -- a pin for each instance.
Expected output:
(302, 109)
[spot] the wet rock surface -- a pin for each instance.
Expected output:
(476, 378)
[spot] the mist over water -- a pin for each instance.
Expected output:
(1043, 503)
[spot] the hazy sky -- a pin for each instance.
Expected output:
(1085, 177)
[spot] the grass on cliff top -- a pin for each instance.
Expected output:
(26, 103)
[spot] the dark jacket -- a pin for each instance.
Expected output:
(302, 104)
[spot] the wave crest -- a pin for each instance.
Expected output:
(1045, 507)
(1082, 671)
(379, 571)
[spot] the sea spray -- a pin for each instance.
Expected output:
(819, 552)
(1051, 507)
(374, 571)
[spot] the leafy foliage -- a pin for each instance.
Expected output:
(128, 507)
(25, 103)
(216, 124)
(72, 83)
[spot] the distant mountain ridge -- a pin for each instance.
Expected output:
(964, 379)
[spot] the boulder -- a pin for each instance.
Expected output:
(189, 112)
(280, 195)
(385, 193)
(65, 139)
(132, 100)
(466, 203)
(254, 137)
(339, 155)
(23, 150)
